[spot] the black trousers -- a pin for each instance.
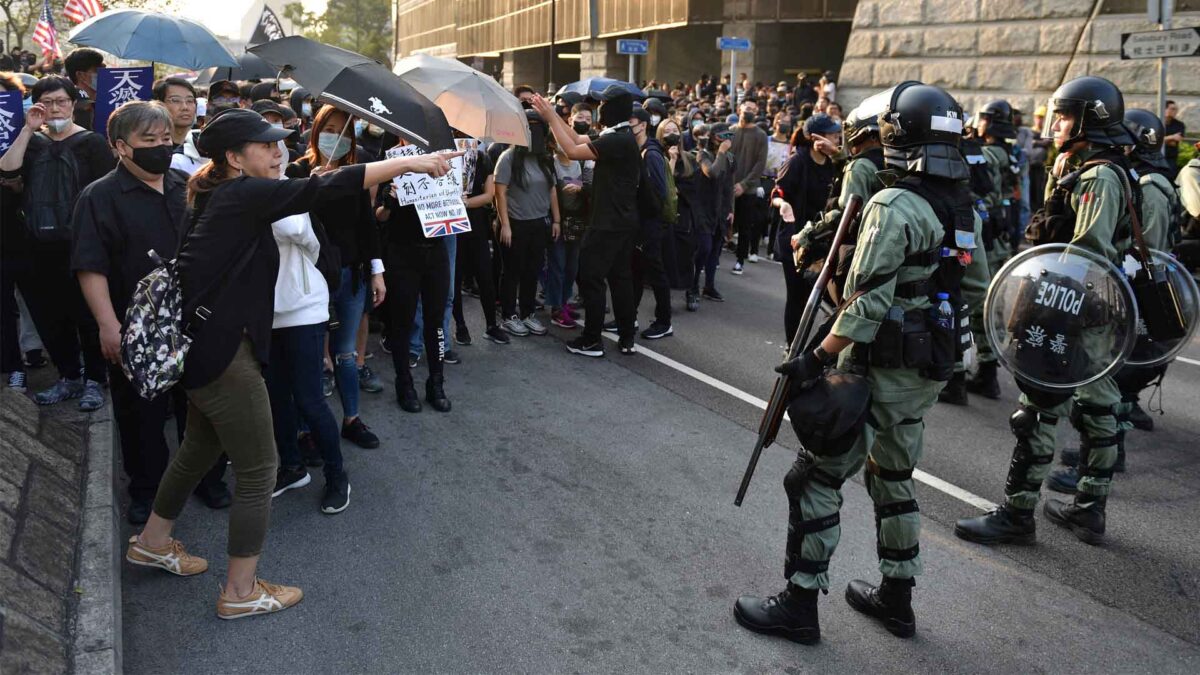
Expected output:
(10, 338)
(61, 315)
(747, 218)
(798, 289)
(474, 261)
(523, 259)
(141, 424)
(606, 255)
(414, 271)
(649, 270)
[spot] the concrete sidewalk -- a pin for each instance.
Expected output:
(572, 516)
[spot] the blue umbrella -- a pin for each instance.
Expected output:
(136, 34)
(593, 88)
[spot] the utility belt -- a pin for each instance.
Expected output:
(925, 340)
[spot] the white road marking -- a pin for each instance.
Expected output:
(1194, 362)
(918, 475)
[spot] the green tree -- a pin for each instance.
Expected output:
(361, 26)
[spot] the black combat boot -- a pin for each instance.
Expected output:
(791, 614)
(1084, 517)
(435, 394)
(406, 396)
(890, 602)
(693, 301)
(984, 382)
(1004, 525)
(1140, 419)
(955, 392)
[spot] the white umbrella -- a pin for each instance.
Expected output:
(472, 101)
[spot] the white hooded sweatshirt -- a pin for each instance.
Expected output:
(301, 294)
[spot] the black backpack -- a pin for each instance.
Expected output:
(51, 189)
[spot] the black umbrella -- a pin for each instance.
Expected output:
(249, 67)
(362, 86)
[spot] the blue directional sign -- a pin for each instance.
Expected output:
(733, 44)
(633, 46)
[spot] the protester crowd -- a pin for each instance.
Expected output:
(239, 179)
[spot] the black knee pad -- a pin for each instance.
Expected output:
(1026, 419)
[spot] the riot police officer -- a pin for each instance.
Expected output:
(1159, 211)
(914, 241)
(1085, 207)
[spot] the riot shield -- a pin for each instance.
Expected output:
(1147, 351)
(1059, 317)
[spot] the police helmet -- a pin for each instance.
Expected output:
(1148, 131)
(860, 126)
(999, 116)
(1097, 108)
(921, 128)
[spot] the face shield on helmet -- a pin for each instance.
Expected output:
(1067, 113)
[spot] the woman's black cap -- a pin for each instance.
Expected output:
(234, 127)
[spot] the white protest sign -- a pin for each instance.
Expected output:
(438, 200)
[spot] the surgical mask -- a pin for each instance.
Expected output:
(93, 80)
(359, 127)
(26, 104)
(306, 109)
(655, 119)
(670, 139)
(696, 123)
(332, 145)
(155, 159)
(749, 117)
(58, 126)
(581, 127)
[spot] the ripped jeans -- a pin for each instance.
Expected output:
(349, 304)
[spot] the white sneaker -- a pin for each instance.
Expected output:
(536, 327)
(515, 326)
(753, 257)
(737, 269)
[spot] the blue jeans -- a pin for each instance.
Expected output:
(561, 269)
(349, 304)
(416, 343)
(294, 385)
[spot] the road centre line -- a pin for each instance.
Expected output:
(918, 475)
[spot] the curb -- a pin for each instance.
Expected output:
(97, 647)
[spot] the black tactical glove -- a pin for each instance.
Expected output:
(807, 366)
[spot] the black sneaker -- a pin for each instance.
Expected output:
(451, 356)
(712, 294)
(138, 512)
(337, 493)
(627, 346)
(36, 358)
(290, 477)
(462, 336)
(586, 347)
(611, 327)
(309, 451)
(215, 496)
(358, 433)
(496, 334)
(383, 344)
(413, 360)
(658, 331)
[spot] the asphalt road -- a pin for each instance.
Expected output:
(575, 515)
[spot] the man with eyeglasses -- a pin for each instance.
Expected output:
(49, 163)
(179, 96)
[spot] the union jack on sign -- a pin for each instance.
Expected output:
(82, 10)
(445, 228)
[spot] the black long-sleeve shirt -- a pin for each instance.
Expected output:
(236, 217)
(805, 185)
(350, 222)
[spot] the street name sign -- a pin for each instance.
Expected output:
(633, 47)
(1160, 44)
(733, 44)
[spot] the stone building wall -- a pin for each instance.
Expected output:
(1020, 50)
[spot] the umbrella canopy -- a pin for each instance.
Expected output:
(472, 101)
(136, 34)
(593, 88)
(249, 67)
(361, 86)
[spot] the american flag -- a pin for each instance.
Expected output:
(82, 10)
(443, 228)
(44, 33)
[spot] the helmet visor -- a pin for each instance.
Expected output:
(1064, 121)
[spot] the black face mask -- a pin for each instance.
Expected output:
(581, 127)
(702, 141)
(670, 139)
(785, 130)
(749, 117)
(155, 159)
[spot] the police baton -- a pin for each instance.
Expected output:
(768, 428)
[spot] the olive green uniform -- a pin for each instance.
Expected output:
(998, 164)
(1158, 208)
(859, 177)
(896, 224)
(1098, 200)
